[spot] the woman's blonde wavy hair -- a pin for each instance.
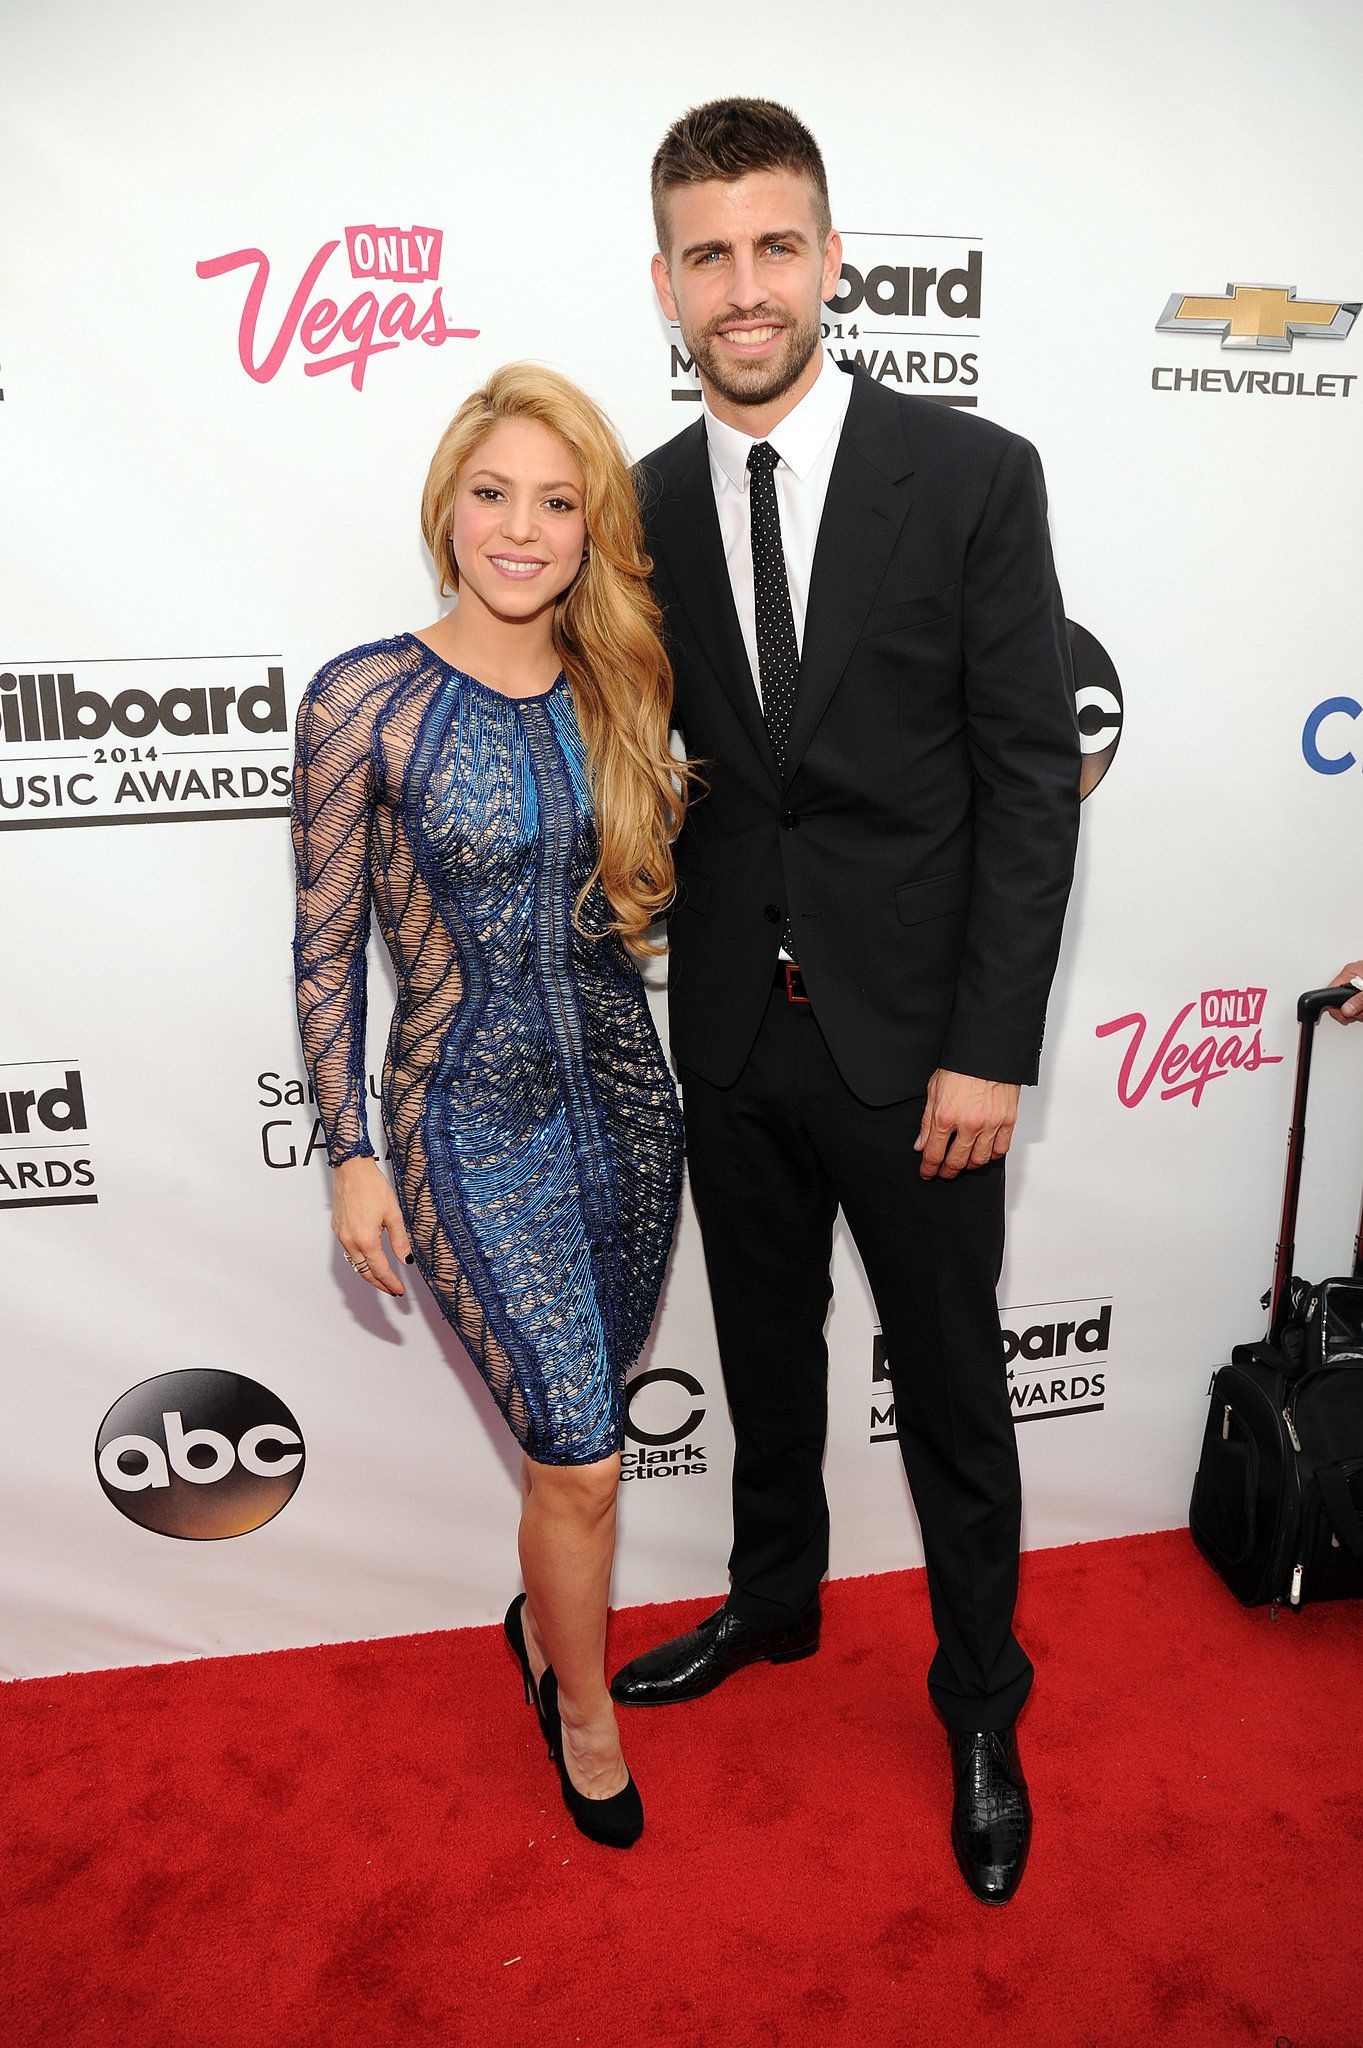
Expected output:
(607, 634)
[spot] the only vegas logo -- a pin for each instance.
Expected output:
(326, 324)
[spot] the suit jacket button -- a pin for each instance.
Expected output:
(771, 913)
(790, 819)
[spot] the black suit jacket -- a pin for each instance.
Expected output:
(923, 837)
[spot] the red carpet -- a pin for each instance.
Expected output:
(364, 1844)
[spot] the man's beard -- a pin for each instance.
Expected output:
(756, 383)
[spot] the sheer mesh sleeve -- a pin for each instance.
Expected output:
(333, 787)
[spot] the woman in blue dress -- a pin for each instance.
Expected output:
(499, 792)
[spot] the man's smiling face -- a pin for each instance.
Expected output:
(745, 277)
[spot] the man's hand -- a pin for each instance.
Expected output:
(967, 1122)
(1347, 1012)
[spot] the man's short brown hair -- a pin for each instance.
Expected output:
(726, 139)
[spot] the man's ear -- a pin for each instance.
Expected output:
(662, 285)
(832, 266)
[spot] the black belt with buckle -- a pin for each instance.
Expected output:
(791, 981)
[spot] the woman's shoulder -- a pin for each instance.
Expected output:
(363, 675)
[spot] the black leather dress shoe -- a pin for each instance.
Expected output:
(703, 1658)
(991, 1815)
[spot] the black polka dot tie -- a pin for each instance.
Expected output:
(778, 652)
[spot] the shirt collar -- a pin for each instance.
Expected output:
(799, 439)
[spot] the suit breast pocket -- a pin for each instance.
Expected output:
(907, 613)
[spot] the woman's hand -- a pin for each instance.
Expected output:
(363, 1206)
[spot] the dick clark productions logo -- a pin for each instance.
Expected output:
(663, 1426)
(199, 1454)
(1182, 1062)
(337, 336)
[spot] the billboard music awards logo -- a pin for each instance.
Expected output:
(907, 309)
(141, 741)
(332, 335)
(1056, 1354)
(1262, 321)
(664, 1407)
(44, 1144)
(199, 1455)
(1182, 1063)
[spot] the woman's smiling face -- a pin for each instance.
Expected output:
(519, 527)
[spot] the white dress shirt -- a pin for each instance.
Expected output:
(806, 441)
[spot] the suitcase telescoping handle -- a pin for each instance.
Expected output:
(1310, 1008)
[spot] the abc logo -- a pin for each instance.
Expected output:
(669, 1426)
(199, 1454)
(1098, 705)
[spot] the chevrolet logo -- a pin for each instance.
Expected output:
(1259, 316)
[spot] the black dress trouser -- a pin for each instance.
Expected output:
(770, 1161)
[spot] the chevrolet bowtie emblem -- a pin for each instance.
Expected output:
(1258, 316)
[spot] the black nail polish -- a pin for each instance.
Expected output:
(411, 1258)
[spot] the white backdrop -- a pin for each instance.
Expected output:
(170, 522)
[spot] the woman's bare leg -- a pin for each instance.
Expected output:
(567, 1546)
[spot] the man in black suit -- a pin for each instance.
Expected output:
(872, 666)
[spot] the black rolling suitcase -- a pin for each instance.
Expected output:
(1277, 1505)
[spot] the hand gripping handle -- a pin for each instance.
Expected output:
(1310, 1008)
(1310, 1005)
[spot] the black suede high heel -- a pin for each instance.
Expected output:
(617, 1822)
(514, 1629)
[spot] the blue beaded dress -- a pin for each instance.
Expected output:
(531, 1119)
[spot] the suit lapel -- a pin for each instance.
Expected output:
(685, 528)
(869, 493)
